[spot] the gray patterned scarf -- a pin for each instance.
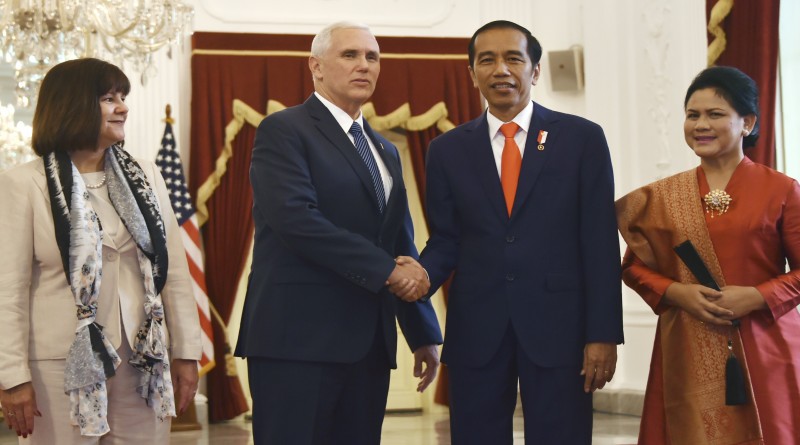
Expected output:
(92, 359)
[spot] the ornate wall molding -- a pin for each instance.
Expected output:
(406, 13)
(656, 48)
(517, 11)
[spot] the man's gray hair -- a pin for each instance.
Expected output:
(322, 41)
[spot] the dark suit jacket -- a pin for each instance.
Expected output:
(322, 250)
(552, 270)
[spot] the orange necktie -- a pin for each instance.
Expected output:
(510, 164)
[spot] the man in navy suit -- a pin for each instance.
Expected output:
(331, 216)
(535, 299)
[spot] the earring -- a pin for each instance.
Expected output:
(746, 131)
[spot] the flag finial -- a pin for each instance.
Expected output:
(169, 118)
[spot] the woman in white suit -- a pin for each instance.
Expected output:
(99, 326)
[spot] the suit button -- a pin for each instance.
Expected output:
(510, 239)
(510, 277)
(112, 256)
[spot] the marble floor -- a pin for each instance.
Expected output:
(398, 429)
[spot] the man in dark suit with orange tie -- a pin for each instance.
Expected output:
(331, 215)
(520, 204)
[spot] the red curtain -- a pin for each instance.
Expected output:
(418, 147)
(256, 68)
(751, 30)
(231, 239)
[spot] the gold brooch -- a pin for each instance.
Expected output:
(717, 201)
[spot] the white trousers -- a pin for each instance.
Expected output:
(130, 419)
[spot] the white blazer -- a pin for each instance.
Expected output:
(37, 309)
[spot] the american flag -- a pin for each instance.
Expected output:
(169, 162)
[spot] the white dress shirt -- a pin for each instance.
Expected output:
(523, 119)
(345, 121)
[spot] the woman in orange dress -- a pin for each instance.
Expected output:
(744, 220)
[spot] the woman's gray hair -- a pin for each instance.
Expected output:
(322, 41)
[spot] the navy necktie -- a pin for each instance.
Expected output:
(366, 154)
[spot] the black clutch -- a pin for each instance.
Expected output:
(735, 392)
(697, 267)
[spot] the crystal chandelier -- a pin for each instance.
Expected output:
(37, 34)
(15, 139)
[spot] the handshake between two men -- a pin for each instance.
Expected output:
(409, 281)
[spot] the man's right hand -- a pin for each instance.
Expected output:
(408, 280)
(19, 407)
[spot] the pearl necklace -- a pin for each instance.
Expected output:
(99, 184)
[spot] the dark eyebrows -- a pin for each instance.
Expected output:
(512, 52)
(709, 110)
(713, 109)
(353, 52)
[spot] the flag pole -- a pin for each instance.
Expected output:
(187, 420)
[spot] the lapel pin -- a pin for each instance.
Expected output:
(541, 139)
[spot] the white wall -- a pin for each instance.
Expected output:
(640, 56)
(789, 67)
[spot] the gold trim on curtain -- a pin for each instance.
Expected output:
(718, 13)
(243, 113)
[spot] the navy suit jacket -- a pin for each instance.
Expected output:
(322, 249)
(551, 270)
